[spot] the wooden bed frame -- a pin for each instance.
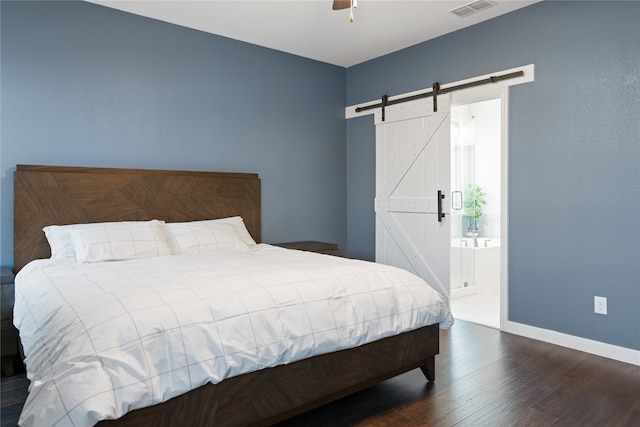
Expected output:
(46, 195)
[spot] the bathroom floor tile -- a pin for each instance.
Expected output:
(481, 308)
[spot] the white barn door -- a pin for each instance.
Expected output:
(412, 166)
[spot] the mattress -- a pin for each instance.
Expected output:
(101, 339)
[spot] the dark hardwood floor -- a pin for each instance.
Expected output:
(483, 378)
(13, 392)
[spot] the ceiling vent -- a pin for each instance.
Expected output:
(472, 7)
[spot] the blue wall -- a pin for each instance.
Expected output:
(86, 85)
(574, 156)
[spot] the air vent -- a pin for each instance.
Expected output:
(472, 7)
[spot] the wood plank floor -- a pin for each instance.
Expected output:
(483, 378)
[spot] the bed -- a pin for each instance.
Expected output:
(274, 391)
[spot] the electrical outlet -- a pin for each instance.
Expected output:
(600, 305)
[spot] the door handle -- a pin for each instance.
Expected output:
(440, 198)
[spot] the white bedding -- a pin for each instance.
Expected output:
(105, 338)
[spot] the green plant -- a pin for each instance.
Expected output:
(474, 200)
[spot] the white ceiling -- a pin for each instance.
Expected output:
(310, 28)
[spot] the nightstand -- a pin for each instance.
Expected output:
(8, 334)
(311, 246)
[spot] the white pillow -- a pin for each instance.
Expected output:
(118, 241)
(241, 228)
(60, 240)
(205, 236)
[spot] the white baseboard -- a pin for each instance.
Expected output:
(598, 348)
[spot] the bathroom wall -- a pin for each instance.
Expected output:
(486, 115)
(476, 153)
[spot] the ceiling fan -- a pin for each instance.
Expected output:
(345, 4)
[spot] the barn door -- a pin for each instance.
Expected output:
(412, 187)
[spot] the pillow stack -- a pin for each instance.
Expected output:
(116, 241)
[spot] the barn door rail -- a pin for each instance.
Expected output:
(437, 90)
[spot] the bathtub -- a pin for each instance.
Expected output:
(475, 268)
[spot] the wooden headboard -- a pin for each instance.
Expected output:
(59, 195)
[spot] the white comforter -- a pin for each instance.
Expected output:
(103, 339)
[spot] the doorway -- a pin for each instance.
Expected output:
(477, 223)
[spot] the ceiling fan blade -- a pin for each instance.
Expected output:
(341, 4)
